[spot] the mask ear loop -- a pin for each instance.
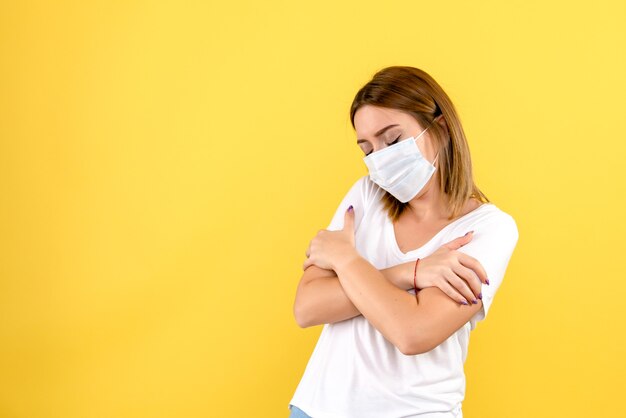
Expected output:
(428, 127)
(424, 131)
(434, 120)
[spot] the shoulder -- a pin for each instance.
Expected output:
(365, 184)
(361, 194)
(497, 218)
(370, 191)
(365, 190)
(490, 215)
(494, 226)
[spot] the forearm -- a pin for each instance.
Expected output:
(324, 301)
(384, 305)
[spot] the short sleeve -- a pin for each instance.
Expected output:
(357, 196)
(492, 245)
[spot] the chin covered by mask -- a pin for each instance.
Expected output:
(401, 169)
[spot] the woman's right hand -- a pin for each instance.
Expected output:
(457, 274)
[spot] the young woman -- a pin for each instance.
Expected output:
(409, 264)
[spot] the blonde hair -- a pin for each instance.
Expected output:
(415, 92)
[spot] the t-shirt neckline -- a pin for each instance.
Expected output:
(394, 243)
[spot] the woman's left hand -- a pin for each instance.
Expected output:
(328, 248)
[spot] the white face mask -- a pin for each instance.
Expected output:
(401, 168)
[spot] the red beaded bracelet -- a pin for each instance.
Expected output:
(415, 280)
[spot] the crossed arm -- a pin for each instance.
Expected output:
(356, 287)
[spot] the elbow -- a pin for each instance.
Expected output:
(406, 338)
(301, 322)
(301, 318)
(413, 348)
(408, 348)
(415, 344)
(406, 344)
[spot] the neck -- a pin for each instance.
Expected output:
(430, 205)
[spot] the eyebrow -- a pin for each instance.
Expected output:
(379, 133)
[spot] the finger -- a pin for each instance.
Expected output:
(449, 290)
(460, 241)
(474, 264)
(460, 286)
(471, 278)
(348, 219)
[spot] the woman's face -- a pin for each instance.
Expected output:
(378, 127)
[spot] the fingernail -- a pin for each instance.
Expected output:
(470, 232)
(465, 303)
(487, 280)
(350, 208)
(475, 302)
(480, 295)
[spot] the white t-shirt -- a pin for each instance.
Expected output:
(354, 371)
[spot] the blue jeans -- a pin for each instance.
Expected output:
(297, 412)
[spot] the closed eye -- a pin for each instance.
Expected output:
(396, 140)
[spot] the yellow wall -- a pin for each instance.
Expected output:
(163, 166)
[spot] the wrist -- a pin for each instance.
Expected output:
(407, 274)
(344, 258)
(399, 275)
(392, 275)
